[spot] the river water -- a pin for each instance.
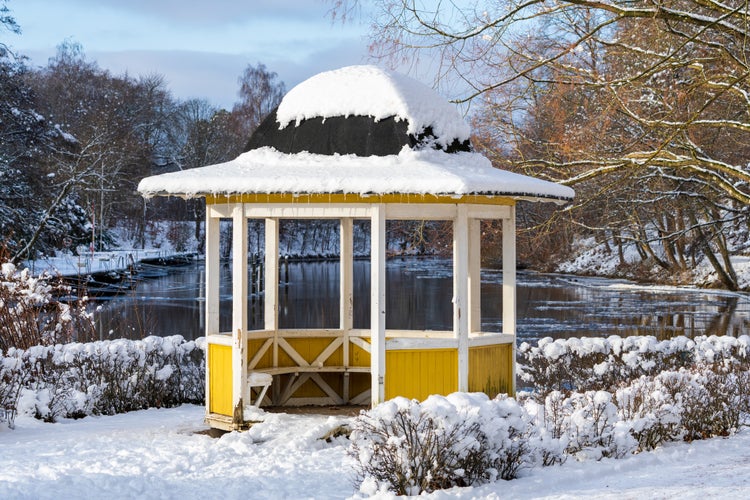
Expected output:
(419, 292)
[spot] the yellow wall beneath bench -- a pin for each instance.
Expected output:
(491, 369)
(220, 379)
(417, 373)
(411, 373)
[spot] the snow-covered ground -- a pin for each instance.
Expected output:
(163, 454)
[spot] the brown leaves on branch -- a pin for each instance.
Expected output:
(642, 106)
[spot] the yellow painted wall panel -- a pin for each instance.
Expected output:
(310, 348)
(358, 356)
(266, 361)
(284, 359)
(491, 369)
(358, 383)
(337, 358)
(418, 373)
(309, 390)
(220, 379)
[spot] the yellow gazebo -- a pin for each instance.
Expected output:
(351, 144)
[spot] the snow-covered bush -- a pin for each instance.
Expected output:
(650, 408)
(606, 363)
(32, 314)
(592, 398)
(711, 402)
(101, 378)
(595, 429)
(458, 440)
(584, 425)
(662, 390)
(552, 421)
(11, 384)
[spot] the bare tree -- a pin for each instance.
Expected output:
(642, 105)
(29, 143)
(118, 124)
(260, 93)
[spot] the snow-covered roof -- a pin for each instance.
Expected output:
(428, 171)
(422, 165)
(375, 92)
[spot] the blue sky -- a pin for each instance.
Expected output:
(201, 47)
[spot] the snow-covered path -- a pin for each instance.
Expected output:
(158, 454)
(715, 468)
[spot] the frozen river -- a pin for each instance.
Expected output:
(419, 297)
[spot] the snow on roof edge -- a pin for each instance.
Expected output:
(516, 196)
(429, 172)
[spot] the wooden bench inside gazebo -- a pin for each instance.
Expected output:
(358, 143)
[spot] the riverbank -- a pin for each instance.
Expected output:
(67, 264)
(591, 258)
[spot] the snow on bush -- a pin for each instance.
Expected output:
(604, 363)
(597, 398)
(459, 440)
(32, 314)
(100, 378)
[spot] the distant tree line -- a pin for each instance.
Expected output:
(75, 140)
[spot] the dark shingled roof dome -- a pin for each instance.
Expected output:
(364, 111)
(358, 135)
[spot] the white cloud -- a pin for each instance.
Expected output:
(200, 48)
(216, 11)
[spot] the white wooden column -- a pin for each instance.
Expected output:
(509, 273)
(212, 283)
(509, 285)
(475, 267)
(377, 304)
(239, 308)
(271, 292)
(346, 294)
(212, 274)
(271, 280)
(346, 276)
(461, 294)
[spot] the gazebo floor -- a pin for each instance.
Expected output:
(334, 410)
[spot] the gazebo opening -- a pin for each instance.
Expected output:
(368, 149)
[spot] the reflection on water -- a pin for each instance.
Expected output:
(419, 292)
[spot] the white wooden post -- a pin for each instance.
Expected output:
(346, 296)
(346, 281)
(271, 281)
(461, 294)
(271, 292)
(239, 308)
(212, 284)
(509, 273)
(509, 284)
(212, 274)
(377, 304)
(475, 267)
